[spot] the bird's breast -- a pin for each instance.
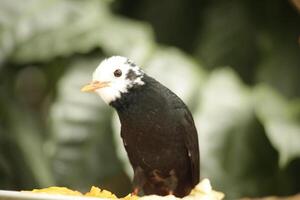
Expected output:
(152, 142)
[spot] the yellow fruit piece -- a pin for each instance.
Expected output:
(57, 190)
(130, 197)
(97, 192)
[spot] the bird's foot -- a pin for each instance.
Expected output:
(135, 192)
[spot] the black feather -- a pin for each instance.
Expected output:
(160, 138)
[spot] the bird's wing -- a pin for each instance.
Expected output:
(191, 143)
(186, 125)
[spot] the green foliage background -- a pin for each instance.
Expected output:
(236, 63)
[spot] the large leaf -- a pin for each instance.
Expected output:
(22, 153)
(177, 71)
(234, 150)
(227, 37)
(82, 148)
(280, 66)
(28, 155)
(280, 52)
(46, 30)
(10, 13)
(55, 28)
(127, 38)
(281, 121)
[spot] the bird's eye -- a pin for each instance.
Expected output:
(117, 73)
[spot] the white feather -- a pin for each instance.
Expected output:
(118, 85)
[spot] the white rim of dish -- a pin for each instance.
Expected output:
(7, 195)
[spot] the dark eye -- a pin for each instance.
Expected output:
(117, 73)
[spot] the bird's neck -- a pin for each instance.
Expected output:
(127, 99)
(138, 100)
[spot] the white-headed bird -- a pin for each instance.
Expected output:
(157, 128)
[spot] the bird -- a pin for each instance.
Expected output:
(157, 128)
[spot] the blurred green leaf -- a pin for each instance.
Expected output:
(278, 41)
(227, 37)
(281, 121)
(32, 166)
(121, 36)
(57, 28)
(280, 66)
(235, 152)
(70, 27)
(187, 77)
(6, 173)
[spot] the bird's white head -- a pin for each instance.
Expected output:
(113, 77)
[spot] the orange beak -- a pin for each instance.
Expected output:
(91, 87)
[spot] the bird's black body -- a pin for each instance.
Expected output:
(160, 138)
